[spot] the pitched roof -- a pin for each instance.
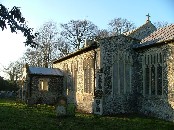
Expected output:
(163, 34)
(141, 32)
(159, 36)
(44, 71)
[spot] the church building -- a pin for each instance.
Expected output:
(129, 73)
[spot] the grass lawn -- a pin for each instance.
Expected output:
(18, 116)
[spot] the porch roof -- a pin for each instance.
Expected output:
(44, 71)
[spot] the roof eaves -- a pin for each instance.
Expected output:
(32, 74)
(143, 46)
(88, 48)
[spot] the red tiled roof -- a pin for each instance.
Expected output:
(161, 35)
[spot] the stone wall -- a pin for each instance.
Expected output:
(123, 102)
(161, 106)
(55, 90)
(73, 69)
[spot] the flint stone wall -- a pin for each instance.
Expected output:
(84, 101)
(55, 90)
(119, 103)
(160, 106)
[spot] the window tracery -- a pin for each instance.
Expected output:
(152, 73)
(121, 78)
(87, 67)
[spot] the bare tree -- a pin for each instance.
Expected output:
(33, 57)
(76, 31)
(103, 33)
(50, 46)
(160, 24)
(47, 40)
(118, 26)
(13, 70)
(63, 48)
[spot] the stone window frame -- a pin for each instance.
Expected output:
(74, 70)
(87, 68)
(41, 84)
(152, 59)
(127, 60)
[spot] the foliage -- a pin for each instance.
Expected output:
(14, 19)
(20, 116)
(120, 25)
(76, 31)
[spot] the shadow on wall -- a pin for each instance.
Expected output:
(160, 106)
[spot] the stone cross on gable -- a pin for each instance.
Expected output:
(148, 17)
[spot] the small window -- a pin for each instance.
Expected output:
(43, 84)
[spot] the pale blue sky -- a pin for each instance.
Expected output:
(100, 12)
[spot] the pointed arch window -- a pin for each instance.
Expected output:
(152, 73)
(121, 77)
(88, 66)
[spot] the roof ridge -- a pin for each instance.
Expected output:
(134, 30)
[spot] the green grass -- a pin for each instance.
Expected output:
(18, 116)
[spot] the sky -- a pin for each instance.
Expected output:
(100, 12)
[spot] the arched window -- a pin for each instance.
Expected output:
(159, 79)
(121, 74)
(43, 84)
(88, 66)
(152, 73)
(146, 80)
(153, 78)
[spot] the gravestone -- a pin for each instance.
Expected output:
(61, 106)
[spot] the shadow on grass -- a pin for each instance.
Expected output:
(134, 122)
(20, 116)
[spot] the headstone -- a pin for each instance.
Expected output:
(61, 107)
(61, 110)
